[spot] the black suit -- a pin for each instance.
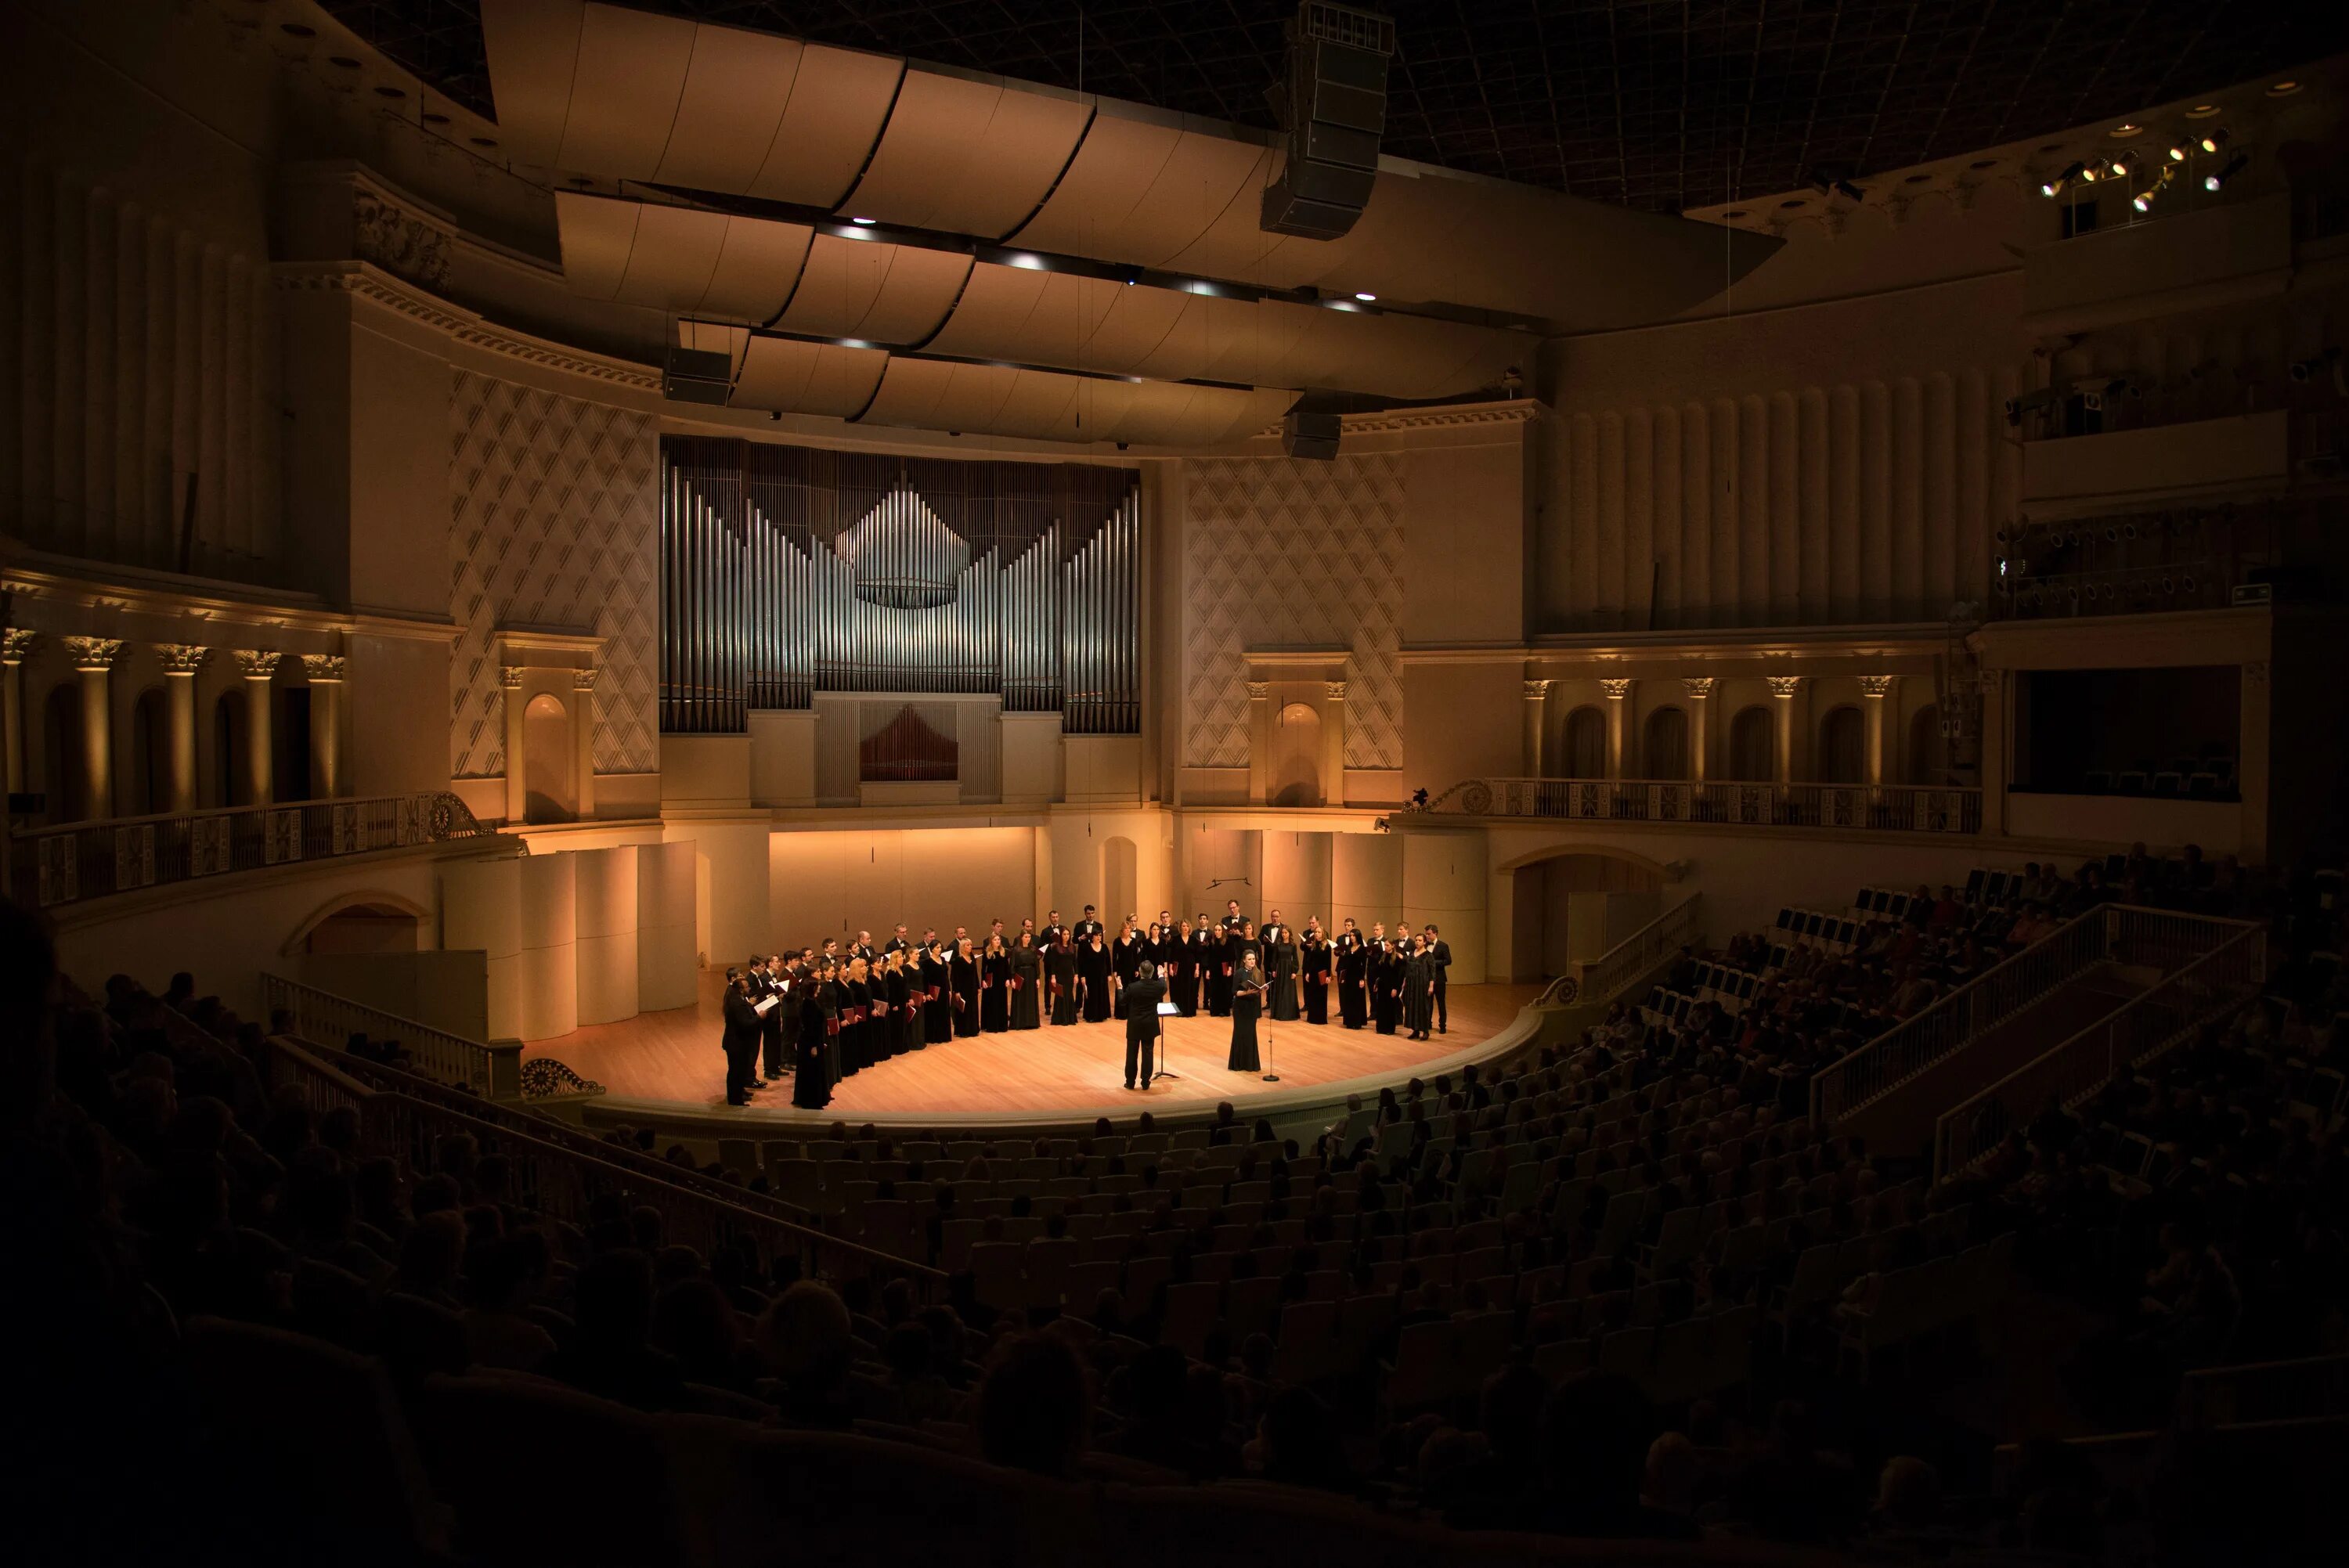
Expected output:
(770, 1027)
(742, 1042)
(1440, 957)
(1141, 998)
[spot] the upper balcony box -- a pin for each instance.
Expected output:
(2182, 262)
(2240, 455)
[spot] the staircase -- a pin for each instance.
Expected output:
(1901, 1121)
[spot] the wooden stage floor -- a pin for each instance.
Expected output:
(674, 1058)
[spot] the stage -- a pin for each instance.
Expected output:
(672, 1060)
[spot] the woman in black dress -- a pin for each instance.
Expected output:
(1419, 989)
(1182, 972)
(837, 1001)
(1093, 979)
(995, 987)
(1280, 968)
(1061, 969)
(938, 1001)
(1248, 986)
(1313, 973)
(811, 1088)
(1027, 972)
(962, 980)
(1386, 987)
(889, 1003)
(1352, 961)
(855, 1026)
(1124, 957)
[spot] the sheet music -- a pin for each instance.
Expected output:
(765, 1006)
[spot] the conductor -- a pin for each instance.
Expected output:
(1141, 996)
(740, 1039)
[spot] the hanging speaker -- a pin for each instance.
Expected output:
(1334, 107)
(1311, 436)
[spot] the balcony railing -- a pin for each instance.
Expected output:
(2119, 934)
(1889, 808)
(82, 860)
(492, 1070)
(2139, 1029)
(1603, 978)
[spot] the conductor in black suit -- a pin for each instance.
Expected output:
(741, 1038)
(1141, 996)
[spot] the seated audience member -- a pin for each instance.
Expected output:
(1034, 1405)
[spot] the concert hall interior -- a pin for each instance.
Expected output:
(1217, 777)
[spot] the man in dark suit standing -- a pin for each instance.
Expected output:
(772, 982)
(741, 1037)
(1086, 926)
(1439, 953)
(896, 943)
(1142, 997)
(1054, 933)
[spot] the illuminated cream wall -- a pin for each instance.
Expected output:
(835, 884)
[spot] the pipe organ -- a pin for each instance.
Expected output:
(787, 571)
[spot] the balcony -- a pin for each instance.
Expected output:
(78, 861)
(1841, 808)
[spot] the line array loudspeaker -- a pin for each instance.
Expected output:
(697, 375)
(1336, 110)
(1311, 436)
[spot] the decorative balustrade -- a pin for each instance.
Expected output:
(1603, 978)
(490, 1070)
(81, 861)
(1889, 808)
(2144, 1026)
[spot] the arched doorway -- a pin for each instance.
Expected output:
(1928, 748)
(548, 794)
(1843, 747)
(228, 750)
(1576, 906)
(1664, 745)
(1294, 776)
(64, 777)
(1119, 896)
(1582, 753)
(365, 927)
(1753, 746)
(147, 776)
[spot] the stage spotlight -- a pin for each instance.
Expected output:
(2178, 152)
(2228, 170)
(1366, 298)
(2057, 186)
(2123, 163)
(2212, 141)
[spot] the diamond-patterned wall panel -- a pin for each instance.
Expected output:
(555, 525)
(1281, 552)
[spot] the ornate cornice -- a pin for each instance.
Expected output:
(94, 653)
(183, 658)
(255, 664)
(323, 668)
(1516, 412)
(363, 280)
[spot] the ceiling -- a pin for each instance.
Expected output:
(1661, 105)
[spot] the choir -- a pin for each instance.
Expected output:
(829, 1011)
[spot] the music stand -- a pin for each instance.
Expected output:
(1167, 1009)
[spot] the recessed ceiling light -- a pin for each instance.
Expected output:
(1917, 179)
(295, 30)
(1792, 201)
(2284, 89)
(1366, 298)
(2053, 146)
(344, 61)
(432, 118)
(863, 222)
(1734, 213)
(2202, 111)
(390, 92)
(1982, 163)
(485, 141)
(2127, 130)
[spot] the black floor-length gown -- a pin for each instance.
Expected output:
(938, 1005)
(1093, 972)
(1386, 991)
(1280, 968)
(1313, 959)
(856, 1030)
(1027, 975)
(1353, 975)
(895, 991)
(812, 1086)
(1124, 959)
(1247, 1003)
(1418, 998)
(1061, 966)
(963, 976)
(995, 998)
(836, 1004)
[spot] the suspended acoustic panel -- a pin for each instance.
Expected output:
(787, 571)
(875, 290)
(679, 258)
(967, 155)
(1046, 406)
(628, 95)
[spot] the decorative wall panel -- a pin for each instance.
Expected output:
(554, 525)
(137, 359)
(790, 571)
(1281, 552)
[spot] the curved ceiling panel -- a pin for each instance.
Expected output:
(678, 258)
(865, 289)
(1144, 191)
(794, 377)
(967, 156)
(1041, 404)
(626, 95)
